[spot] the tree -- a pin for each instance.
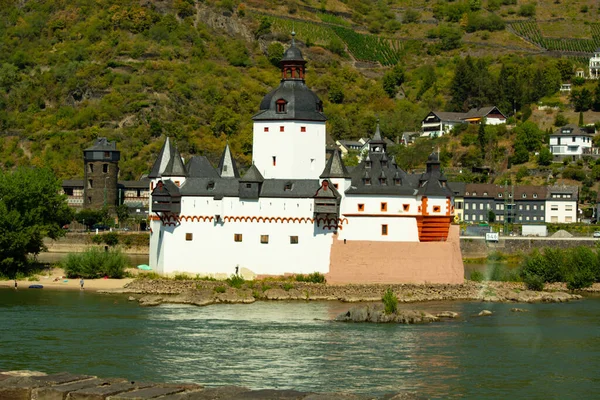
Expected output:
(580, 118)
(275, 53)
(581, 99)
(90, 217)
(31, 209)
(481, 138)
(544, 157)
(392, 80)
(596, 102)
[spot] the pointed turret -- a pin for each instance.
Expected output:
(227, 166)
(162, 160)
(251, 183)
(433, 181)
(377, 144)
(335, 167)
(175, 165)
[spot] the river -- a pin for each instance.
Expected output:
(552, 351)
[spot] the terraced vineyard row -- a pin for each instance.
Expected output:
(363, 47)
(530, 31)
(370, 48)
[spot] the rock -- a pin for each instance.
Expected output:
(447, 314)
(484, 313)
(518, 310)
(131, 298)
(149, 301)
(376, 313)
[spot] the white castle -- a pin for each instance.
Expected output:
(295, 211)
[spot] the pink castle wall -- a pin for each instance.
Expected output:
(397, 262)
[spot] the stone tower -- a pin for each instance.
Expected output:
(101, 166)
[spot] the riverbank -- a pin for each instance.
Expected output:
(154, 292)
(54, 279)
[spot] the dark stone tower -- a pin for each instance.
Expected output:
(101, 166)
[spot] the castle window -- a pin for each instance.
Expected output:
(189, 236)
(367, 181)
(384, 230)
(383, 206)
(293, 239)
(335, 185)
(151, 185)
(266, 129)
(405, 207)
(237, 237)
(281, 106)
(224, 168)
(436, 209)
(281, 129)
(91, 168)
(107, 154)
(90, 184)
(105, 168)
(89, 199)
(287, 187)
(177, 183)
(361, 207)
(248, 185)
(211, 185)
(274, 161)
(302, 129)
(382, 181)
(397, 181)
(264, 239)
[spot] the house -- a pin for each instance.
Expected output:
(458, 190)
(561, 204)
(570, 141)
(438, 123)
(295, 211)
(565, 88)
(595, 65)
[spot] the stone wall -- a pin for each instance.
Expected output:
(473, 247)
(358, 261)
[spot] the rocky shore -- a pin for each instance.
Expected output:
(154, 292)
(30, 385)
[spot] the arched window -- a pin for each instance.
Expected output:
(281, 105)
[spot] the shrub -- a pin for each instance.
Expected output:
(95, 263)
(181, 277)
(580, 279)
(150, 275)
(390, 301)
(111, 238)
(534, 282)
(287, 286)
(220, 289)
(476, 276)
(235, 281)
(315, 277)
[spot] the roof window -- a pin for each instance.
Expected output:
(211, 185)
(281, 105)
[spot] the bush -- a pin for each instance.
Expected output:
(390, 301)
(315, 277)
(476, 276)
(235, 281)
(287, 286)
(181, 277)
(95, 263)
(534, 282)
(220, 289)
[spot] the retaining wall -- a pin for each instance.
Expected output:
(477, 246)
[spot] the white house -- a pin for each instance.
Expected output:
(595, 64)
(561, 204)
(293, 211)
(570, 141)
(438, 123)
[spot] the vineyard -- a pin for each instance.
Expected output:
(530, 31)
(363, 47)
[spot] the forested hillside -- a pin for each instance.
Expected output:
(134, 71)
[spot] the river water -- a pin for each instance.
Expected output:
(553, 351)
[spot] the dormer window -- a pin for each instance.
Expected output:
(535, 195)
(211, 185)
(467, 193)
(287, 187)
(485, 193)
(474, 193)
(382, 181)
(367, 181)
(524, 195)
(368, 164)
(397, 181)
(281, 105)
(499, 194)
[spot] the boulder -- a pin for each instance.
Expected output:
(515, 309)
(131, 298)
(484, 313)
(447, 314)
(376, 313)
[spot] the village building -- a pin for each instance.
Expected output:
(571, 141)
(562, 204)
(594, 65)
(296, 211)
(439, 123)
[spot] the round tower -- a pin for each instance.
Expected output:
(101, 166)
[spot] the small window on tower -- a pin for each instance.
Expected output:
(266, 129)
(406, 207)
(189, 236)
(281, 106)
(281, 129)
(264, 239)
(107, 154)
(436, 208)
(91, 168)
(302, 129)
(383, 206)
(237, 237)
(335, 185)
(288, 187)
(293, 239)
(248, 185)
(361, 207)
(384, 230)
(177, 183)
(274, 161)
(90, 184)
(105, 168)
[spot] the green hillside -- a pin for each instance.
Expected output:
(134, 71)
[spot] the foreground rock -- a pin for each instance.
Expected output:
(30, 385)
(376, 313)
(484, 313)
(201, 293)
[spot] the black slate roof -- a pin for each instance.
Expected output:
(102, 144)
(200, 167)
(229, 187)
(362, 172)
(162, 160)
(335, 167)
(252, 175)
(175, 165)
(302, 103)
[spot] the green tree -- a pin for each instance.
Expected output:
(275, 53)
(31, 209)
(89, 217)
(560, 120)
(596, 102)
(581, 99)
(580, 118)
(544, 156)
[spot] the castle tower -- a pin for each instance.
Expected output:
(101, 171)
(289, 129)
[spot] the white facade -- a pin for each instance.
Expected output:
(570, 141)
(289, 149)
(561, 211)
(595, 65)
